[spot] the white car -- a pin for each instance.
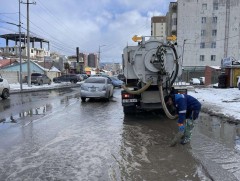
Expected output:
(96, 87)
(194, 81)
(4, 88)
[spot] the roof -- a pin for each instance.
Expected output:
(15, 37)
(158, 19)
(6, 62)
(215, 67)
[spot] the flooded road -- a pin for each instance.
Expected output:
(54, 136)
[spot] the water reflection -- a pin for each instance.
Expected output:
(220, 130)
(5, 104)
(29, 113)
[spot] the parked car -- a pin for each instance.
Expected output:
(121, 77)
(96, 87)
(202, 80)
(116, 82)
(73, 78)
(4, 88)
(38, 78)
(83, 76)
(194, 81)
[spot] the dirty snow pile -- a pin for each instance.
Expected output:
(221, 102)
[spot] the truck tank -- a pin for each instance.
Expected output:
(150, 69)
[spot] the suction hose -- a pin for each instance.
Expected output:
(137, 91)
(163, 103)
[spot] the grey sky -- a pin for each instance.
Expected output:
(86, 24)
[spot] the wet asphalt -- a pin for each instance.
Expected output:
(52, 135)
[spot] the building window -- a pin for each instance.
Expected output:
(214, 20)
(202, 45)
(213, 45)
(214, 32)
(201, 58)
(204, 20)
(215, 6)
(213, 57)
(175, 21)
(203, 32)
(204, 6)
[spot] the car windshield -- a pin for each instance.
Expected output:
(95, 80)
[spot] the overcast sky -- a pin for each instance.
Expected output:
(86, 24)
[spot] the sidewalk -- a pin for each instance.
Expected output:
(15, 88)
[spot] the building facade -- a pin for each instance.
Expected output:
(92, 60)
(208, 31)
(13, 51)
(171, 18)
(158, 26)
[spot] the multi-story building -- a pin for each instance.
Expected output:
(92, 60)
(13, 51)
(171, 19)
(208, 31)
(158, 26)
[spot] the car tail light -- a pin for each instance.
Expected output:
(126, 96)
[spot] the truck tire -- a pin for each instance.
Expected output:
(83, 99)
(128, 110)
(5, 94)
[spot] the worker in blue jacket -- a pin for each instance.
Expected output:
(188, 109)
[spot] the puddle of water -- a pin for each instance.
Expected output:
(220, 130)
(216, 143)
(30, 113)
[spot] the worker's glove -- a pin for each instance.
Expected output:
(181, 127)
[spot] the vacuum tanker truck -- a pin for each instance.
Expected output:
(150, 68)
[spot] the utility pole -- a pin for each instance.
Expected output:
(20, 45)
(28, 44)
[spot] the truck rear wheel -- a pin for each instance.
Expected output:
(127, 110)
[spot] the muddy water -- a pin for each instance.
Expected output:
(216, 143)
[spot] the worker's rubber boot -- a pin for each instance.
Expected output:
(189, 125)
(177, 139)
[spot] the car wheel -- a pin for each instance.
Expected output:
(83, 99)
(5, 94)
(50, 82)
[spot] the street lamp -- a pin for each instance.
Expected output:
(99, 52)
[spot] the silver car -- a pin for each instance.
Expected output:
(96, 87)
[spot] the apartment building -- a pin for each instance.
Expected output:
(171, 18)
(208, 31)
(158, 26)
